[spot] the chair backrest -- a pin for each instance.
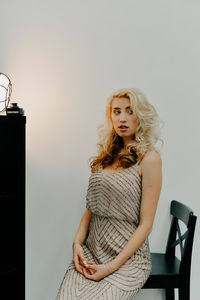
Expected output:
(180, 211)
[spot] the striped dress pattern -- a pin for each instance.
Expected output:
(115, 201)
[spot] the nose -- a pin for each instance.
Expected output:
(122, 117)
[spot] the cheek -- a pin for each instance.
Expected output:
(114, 124)
(135, 122)
(114, 121)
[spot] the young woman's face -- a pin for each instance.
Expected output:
(123, 115)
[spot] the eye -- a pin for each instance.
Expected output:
(130, 111)
(116, 112)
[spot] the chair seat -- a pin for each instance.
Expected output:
(165, 272)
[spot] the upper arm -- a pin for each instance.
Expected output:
(151, 186)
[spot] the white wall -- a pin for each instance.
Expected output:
(64, 58)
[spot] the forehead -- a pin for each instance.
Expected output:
(120, 102)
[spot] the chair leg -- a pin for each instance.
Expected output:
(169, 293)
(184, 292)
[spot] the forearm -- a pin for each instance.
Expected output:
(83, 227)
(133, 244)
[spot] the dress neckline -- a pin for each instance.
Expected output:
(124, 170)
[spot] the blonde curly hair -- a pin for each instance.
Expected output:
(147, 134)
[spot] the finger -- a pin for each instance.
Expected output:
(79, 268)
(92, 276)
(85, 273)
(77, 265)
(81, 263)
(88, 264)
(93, 267)
(90, 270)
(75, 261)
(83, 260)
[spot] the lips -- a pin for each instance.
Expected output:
(123, 126)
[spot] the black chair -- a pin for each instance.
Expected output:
(168, 272)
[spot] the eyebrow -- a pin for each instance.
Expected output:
(119, 107)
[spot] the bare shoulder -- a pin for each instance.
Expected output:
(151, 159)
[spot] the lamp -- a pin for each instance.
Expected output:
(5, 91)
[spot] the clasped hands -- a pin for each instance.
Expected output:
(89, 269)
(93, 271)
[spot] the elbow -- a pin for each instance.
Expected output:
(89, 212)
(150, 229)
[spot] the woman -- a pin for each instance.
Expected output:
(124, 187)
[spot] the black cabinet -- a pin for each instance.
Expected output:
(12, 206)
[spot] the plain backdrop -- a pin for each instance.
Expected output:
(64, 58)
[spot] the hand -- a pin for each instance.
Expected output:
(78, 258)
(98, 271)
